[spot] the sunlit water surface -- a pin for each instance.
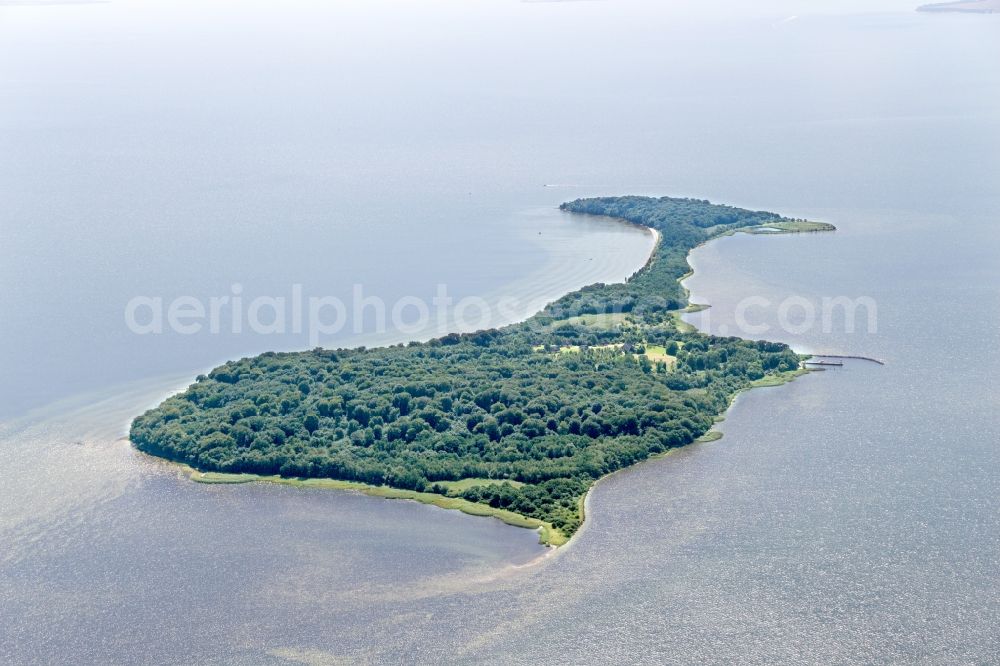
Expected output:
(850, 516)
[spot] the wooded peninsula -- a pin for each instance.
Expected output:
(516, 422)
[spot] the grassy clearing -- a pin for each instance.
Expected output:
(465, 484)
(575, 349)
(658, 354)
(547, 534)
(769, 229)
(654, 353)
(710, 436)
(778, 380)
(602, 321)
(682, 325)
(792, 227)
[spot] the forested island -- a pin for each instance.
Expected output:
(517, 422)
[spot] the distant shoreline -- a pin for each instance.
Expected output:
(963, 7)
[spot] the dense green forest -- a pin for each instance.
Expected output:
(599, 380)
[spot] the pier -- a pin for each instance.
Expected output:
(845, 356)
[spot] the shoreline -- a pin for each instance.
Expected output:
(711, 435)
(549, 536)
(962, 7)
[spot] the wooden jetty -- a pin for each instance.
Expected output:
(846, 356)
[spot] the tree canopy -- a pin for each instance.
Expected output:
(599, 380)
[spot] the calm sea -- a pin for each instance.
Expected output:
(175, 149)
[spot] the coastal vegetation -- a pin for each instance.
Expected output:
(516, 422)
